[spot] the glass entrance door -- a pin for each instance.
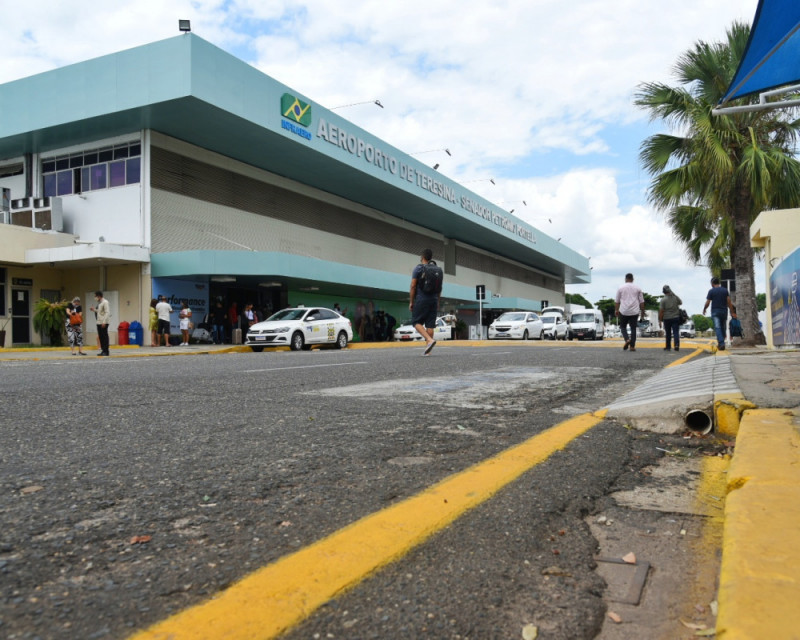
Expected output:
(20, 316)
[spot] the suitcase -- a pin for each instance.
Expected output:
(237, 336)
(201, 335)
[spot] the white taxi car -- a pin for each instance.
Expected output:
(522, 325)
(299, 328)
(406, 332)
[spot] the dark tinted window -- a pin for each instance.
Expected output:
(104, 155)
(133, 170)
(49, 166)
(121, 152)
(76, 161)
(88, 158)
(64, 181)
(99, 176)
(50, 185)
(62, 163)
(116, 174)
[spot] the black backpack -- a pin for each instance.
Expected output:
(431, 278)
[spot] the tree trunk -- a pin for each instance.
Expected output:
(745, 296)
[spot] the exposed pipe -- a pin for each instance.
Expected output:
(698, 421)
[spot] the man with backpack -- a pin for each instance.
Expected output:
(426, 288)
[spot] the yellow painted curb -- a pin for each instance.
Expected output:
(279, 596)
(759, 587)
(728, 410)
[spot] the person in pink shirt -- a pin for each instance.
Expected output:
(628, 307)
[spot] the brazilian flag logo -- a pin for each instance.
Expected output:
(295, 109)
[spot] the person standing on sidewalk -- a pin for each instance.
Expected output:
(720, 301)
(163, 309)
(669, 315)
(628, 307)
(426, 288)
(74, 326)
(103, 312)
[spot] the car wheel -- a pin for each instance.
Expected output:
(257, 349)
(525, 335)
(298, 342)
(341, 340)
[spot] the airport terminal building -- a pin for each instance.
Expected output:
(177, 169)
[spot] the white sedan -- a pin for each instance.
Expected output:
(522, 325)
(406, 332)
(555, 327)
(299, 328)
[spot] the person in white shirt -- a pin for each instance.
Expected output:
(163, 309)
(184, 314)
(628, 307)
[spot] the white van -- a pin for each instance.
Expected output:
(687, 330)
(587, 324)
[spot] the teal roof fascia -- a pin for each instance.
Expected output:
(188, 88)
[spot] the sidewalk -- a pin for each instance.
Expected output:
(759, 588)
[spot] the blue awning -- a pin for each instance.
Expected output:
(772, 56)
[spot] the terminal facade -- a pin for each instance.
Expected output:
(177, 169)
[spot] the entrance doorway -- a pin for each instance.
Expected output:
(20, 316)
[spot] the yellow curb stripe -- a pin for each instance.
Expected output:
(759, 588)
(685, 358)
(280, 595)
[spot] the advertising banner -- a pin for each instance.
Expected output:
(194, 292)
(784, 310)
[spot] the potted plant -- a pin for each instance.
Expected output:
(461, 330)
(49, 318)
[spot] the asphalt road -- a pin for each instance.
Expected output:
(133, 488)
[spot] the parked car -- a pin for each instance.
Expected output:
(299, 328)
(555, 327)
(587, 324)
(687, 330)
(520, 325)
(442, 331)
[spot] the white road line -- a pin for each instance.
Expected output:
(491, 353)
(305, 366)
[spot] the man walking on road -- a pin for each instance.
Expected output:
(426, 287)
(720, 301)
(103, 316)
(628, 307)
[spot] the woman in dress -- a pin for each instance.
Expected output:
(153, 323)
(184, 314)
(74, 326)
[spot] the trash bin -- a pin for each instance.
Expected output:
(136, 333)
(122, 332)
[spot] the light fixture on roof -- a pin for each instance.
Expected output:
(270, 284)
(353, 104)
(223, 279)
(419, 153)
(436, 166)
(184, 25)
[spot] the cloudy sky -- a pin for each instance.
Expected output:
(535, 94)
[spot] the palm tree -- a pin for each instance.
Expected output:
(714, 174)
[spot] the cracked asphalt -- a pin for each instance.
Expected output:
(133, 488)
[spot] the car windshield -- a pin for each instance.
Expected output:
(287, 314)
(582, 317)
(511, 317)
(548, 319)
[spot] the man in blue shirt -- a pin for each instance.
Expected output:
(720, 301)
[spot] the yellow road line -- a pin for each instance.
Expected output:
(280, 595)
(685, 358)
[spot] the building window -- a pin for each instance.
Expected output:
(91, 170)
